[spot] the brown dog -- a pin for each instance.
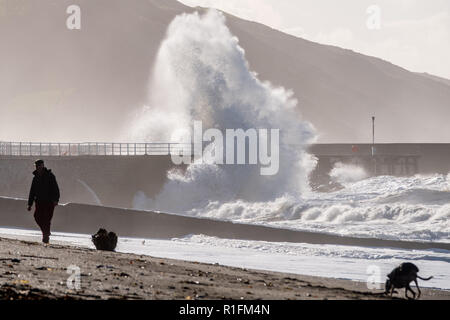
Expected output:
(401, 276)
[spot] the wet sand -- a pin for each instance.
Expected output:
(32, 270)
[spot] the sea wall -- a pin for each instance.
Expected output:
(114, 180)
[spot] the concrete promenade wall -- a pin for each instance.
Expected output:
(114, 180)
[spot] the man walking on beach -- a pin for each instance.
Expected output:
(44, 193)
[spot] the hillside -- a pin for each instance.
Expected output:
(55, 81)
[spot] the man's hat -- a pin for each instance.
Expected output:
(40, 161)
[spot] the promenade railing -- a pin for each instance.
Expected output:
(92, 149)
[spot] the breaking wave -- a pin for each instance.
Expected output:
(345, 173)
(400, 208)
(201, 73)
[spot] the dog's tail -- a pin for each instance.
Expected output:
(426, 279)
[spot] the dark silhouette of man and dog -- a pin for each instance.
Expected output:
(44, 193)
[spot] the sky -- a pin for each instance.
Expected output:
(414, 34)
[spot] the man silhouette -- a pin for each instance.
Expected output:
(44, 192)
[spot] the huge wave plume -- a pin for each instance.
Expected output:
(201, 74)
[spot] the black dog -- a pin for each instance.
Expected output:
(104, 240)
(401, 276)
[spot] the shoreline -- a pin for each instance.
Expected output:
(31, 270)
(83, 218)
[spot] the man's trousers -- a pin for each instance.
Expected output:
(43, 216)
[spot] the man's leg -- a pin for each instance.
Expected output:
(46, 221)
(43, 216)
(38, 213)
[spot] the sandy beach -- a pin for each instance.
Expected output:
(31, 270)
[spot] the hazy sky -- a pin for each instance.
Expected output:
(414, 34)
